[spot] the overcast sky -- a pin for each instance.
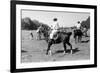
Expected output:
(67, 19)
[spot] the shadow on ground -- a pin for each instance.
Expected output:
(68, 51)
(75, 50)
(85, 41)
(23, 51)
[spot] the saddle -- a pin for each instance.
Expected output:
(55, 36)
(77, 30)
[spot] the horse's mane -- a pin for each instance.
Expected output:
(45, 30)
(46, 27)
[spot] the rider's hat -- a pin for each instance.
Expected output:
(78, 22)
(55, 19)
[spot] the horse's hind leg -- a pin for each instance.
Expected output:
(70, 46)
(48, 49)
(79, 39)
(75, 37)
(65, 50)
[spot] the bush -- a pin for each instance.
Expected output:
(86, 24)
(28, 24)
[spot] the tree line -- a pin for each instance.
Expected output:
(28, 24)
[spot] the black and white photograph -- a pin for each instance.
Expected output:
(54, 36)
(49, 35)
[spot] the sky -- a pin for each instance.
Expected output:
(65, 19)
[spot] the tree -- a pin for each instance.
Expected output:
(28, 24)
(86, 24)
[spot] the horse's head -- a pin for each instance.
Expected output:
(45, 30)
(40, 29)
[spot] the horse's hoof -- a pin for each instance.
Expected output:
(64, 52)
(71, 52)
(49, 53)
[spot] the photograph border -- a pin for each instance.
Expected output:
(13, 35)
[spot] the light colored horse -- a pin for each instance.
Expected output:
(40, 33)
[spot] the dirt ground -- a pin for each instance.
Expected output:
(33, 50)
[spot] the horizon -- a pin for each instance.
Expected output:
(65, 19)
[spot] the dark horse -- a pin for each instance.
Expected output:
(62, 37)
(78, 35)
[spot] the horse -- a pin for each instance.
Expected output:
(40, 33)
(78, 35)
(62, 37)
(85, 30)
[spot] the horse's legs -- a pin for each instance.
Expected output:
(86, 34)
(70, 46)
(75, 37)
(48, 49)
(39, 36)
(78, 39)
(65, 50)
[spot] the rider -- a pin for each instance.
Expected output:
(78, 25)
(55, 27)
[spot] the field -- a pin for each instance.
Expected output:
(33, 50)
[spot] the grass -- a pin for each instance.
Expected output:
(35, 50)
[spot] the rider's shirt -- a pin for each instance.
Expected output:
(55, 26)
(78, 25)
